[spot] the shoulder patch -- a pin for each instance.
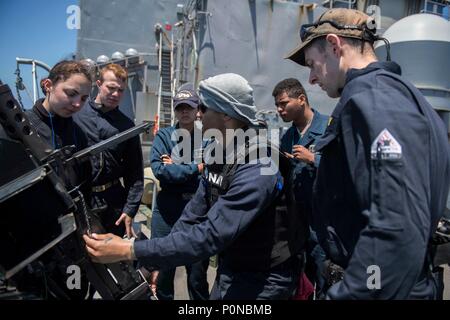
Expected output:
(385, 147)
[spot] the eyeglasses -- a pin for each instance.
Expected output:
(305, 29)
(202, 108)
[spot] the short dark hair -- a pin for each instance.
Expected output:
(292, 87)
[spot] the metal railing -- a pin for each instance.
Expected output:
(33, 63)
(439, 8)
(331, 3)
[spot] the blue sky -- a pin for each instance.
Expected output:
(34, 29)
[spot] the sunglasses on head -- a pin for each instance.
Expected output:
(202, 107)
(305, 29)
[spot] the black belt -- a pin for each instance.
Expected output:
(105, 186)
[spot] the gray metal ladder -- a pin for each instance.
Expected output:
(165, 90)
(165, 114)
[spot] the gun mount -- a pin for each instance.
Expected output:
(43, 218)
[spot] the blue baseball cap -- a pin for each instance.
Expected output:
(186, 95)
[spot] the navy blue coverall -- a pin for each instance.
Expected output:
(123, 160)
(304, 174)
(200, 233)
(303, 179)
(60, 132)
(179, 182)
(381, 186)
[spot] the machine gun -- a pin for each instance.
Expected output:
(43, 218)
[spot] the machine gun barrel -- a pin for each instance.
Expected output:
(18, 127)
(114, 140)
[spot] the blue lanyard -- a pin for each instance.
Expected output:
(53, 131)
(54, 144)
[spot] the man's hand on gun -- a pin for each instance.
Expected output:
(108, 248)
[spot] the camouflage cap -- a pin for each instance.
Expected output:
(342, 22)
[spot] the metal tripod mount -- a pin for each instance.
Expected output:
(29, 167)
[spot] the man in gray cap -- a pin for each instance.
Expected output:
(237, 212)
(384, 173)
